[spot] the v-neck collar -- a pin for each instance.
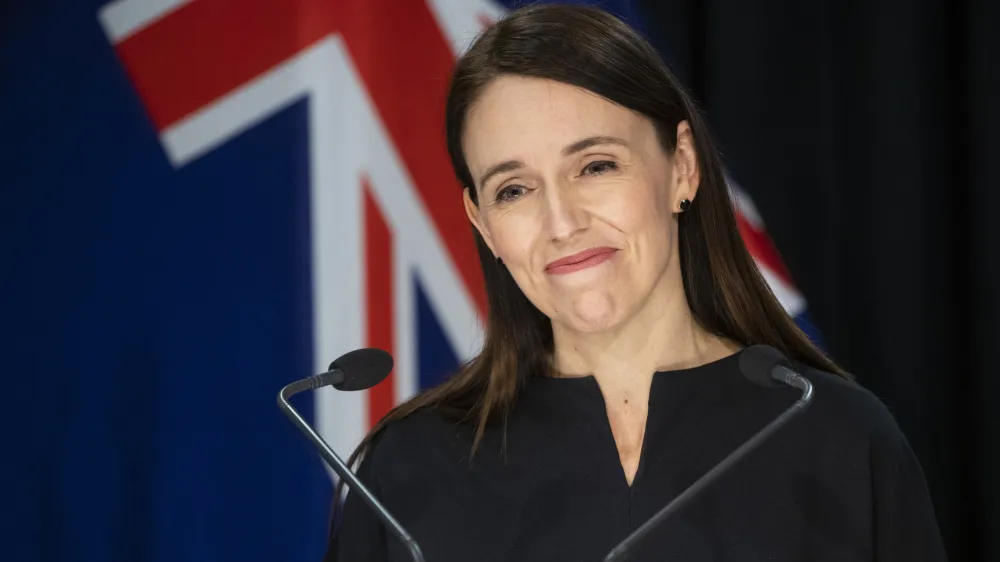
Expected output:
(667, 387)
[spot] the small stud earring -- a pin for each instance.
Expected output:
(499, 261)
(685, 204)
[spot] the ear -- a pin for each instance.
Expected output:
(687, 173)
(472, 211)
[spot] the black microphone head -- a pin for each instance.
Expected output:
(758, 361)
(362, 368)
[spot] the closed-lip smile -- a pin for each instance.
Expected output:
(580, 260)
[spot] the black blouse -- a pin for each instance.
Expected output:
(839, 483)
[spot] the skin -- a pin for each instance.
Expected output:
(559, 194)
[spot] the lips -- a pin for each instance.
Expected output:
(580, 260)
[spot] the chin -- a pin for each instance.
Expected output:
(592, 316)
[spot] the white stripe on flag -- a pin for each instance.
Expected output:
(123, 18)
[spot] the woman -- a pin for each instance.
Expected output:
(620, 298)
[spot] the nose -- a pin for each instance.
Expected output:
(564, 216)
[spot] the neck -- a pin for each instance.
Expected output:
(662, 335)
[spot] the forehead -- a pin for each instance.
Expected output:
(516, 115)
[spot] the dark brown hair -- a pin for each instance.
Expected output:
(591, 49)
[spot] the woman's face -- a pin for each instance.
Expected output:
(577, 196)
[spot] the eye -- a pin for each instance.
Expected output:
(599, 167)
(510, 193)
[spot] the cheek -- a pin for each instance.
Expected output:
(637, 209)
(513, 236)
(644, 218)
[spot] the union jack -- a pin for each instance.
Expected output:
(393, 259)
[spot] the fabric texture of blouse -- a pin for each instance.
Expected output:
(839, 483)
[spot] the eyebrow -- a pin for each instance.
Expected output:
(588, 142)
(508, 166)
(582, 144)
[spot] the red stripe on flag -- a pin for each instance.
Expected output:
(208, 48)
(405, 62)
(378, 282)
(762, 249)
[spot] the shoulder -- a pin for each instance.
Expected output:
(845, 406)
(418, 440)
(903, 521)
(396, 467)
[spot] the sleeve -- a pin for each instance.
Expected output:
(906, 528)
(356, 534)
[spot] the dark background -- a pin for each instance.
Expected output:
(866, 132)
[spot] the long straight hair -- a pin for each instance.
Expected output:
(593, 50)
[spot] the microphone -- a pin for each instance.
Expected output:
(764, 366)
(355, 370)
